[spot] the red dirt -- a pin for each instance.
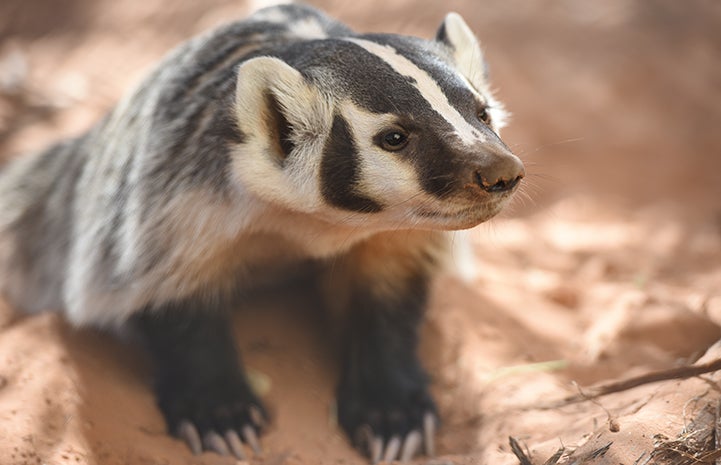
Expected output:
(608, 266)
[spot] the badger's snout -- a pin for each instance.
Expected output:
(497, 172)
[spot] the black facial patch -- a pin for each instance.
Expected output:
(339, 171)
(440, 167)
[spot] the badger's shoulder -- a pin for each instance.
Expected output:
(182, 116)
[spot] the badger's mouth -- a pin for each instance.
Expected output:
(467, 216)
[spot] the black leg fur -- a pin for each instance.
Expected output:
(383, 391)
(200, 385)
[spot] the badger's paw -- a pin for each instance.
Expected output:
(223, 421)
(387, 428)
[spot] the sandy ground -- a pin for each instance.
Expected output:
(608, 266)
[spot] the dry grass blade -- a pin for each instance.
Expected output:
(525, 460)
(518, 451)
(683, 452)
(697, 445)
(592, 455)
(643, 459)
(553, 460)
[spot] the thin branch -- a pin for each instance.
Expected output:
(594, 392)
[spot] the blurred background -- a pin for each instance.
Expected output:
(609, 264)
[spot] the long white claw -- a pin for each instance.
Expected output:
(376, 449)
(235, 444)
(188, 433)
(411, 446)
(429, 434)
(252, 439)
(213, 441)
(392, 448)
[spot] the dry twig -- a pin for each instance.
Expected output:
(593, 392)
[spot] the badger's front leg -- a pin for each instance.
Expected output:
(383, 400)
(200, 385)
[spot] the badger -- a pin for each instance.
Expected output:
(282, 143)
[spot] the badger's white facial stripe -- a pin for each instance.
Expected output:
(428, 88)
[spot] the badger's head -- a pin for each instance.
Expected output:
(383, 129)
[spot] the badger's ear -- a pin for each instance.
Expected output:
(464, 47)
(277, 106)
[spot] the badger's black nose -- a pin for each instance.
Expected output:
(501, 174)
(500, 185)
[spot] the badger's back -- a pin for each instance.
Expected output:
(71, 216)
(37, 193)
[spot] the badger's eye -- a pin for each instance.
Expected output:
(484, 116)
(393, 140)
